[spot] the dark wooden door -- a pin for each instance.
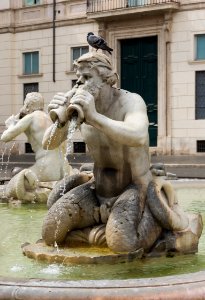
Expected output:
(139, 75)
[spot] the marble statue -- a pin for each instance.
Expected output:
(123, 205)
(49, 166)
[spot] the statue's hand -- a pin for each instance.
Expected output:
(58, 100)
(11, 121)
(87, 102)
(61, 99)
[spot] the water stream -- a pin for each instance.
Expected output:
(4, 167)
(71, 130)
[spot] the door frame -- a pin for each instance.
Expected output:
(164, 108)
(140, 45)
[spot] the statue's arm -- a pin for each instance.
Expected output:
(15, 127)
(133, 131)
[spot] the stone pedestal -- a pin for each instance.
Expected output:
(78, 255)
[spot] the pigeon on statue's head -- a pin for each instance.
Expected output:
(97, 42)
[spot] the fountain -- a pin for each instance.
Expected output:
(120, 216)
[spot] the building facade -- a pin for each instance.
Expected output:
(159, 52)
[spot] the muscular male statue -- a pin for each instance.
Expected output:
(49, 165)
(115, 129)
(33, 121)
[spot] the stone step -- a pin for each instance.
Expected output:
(186, 170)
(184, 166)
(179, 159)
(23, 158)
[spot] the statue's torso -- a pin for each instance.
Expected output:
(115, 165)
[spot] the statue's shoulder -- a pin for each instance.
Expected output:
(131, 98)
(38, 114)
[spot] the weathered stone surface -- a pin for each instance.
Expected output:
(84, 255)
(180, 242)
(134, 202)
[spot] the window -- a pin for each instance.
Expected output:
(31, 63)
(200, 46)
(73, 82)
(31, 2)
(28, 148)
(78, 51)
(79, 147)
(136, 2)
(200, 95)
(29, 88)
(200, 146)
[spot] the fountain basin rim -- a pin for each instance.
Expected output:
(188, 183)
(186, 287)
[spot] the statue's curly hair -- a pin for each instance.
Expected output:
(35, 101)
(101, 63)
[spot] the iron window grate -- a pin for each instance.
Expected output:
(28, 148)
(200, 95)
(29, 88)
(200, 146)
(79, 147)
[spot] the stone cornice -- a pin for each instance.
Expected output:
(46, 24)
(40, 26)
(193, 6)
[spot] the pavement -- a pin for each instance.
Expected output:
(184, 166)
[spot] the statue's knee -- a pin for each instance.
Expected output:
(118, 241)
(121, 234)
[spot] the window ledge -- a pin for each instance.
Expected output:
(71, 72)
(196, 62)
(30, 75)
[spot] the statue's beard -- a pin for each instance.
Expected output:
(94, 90)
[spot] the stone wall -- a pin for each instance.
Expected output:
(185, 130)
(25, 29)
(32, 31)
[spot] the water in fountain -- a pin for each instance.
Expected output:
(27, 221)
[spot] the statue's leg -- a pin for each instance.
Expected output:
(183, 229)
(163, 204)
(65, 185)
(148, 231)
(125, 216)
(23, 186)
(77, 209)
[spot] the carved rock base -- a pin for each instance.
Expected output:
(78, 255)
(180, 242)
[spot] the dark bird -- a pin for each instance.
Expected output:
(97, 42)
